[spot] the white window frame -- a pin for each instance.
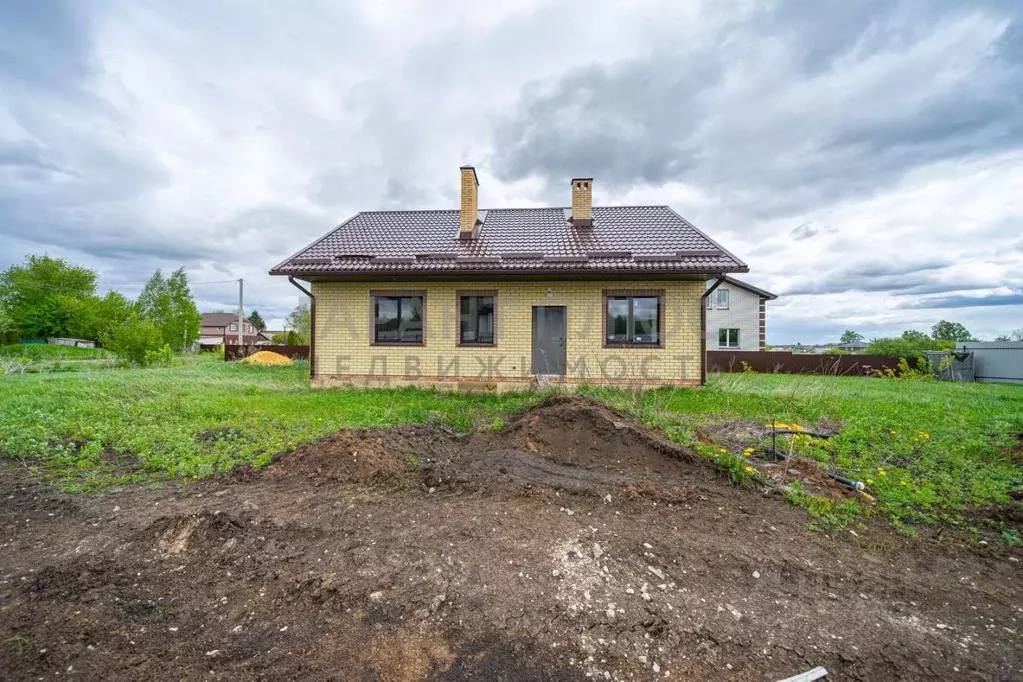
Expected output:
(720, 305)
(728, 340)
(234, 326)
(710, 302)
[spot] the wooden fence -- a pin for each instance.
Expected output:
(782, 362)
(235, 352)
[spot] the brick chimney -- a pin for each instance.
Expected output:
(470, 205)
(582, 201)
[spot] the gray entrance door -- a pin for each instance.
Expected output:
(549, 340)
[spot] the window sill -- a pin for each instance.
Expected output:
(469, 344)
(398, 344)
(632, 345)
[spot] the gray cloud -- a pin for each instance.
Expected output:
(801, 105)
(43, 45)
(903, 277)
(30, 160)
(990, 300)
(810, 230)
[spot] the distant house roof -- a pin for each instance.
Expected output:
(220, 319)
(627, 240)
(749, 287)
(853, 345)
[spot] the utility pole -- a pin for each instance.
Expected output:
(241, 311)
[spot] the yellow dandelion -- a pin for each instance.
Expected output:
(748, 469)
(870, 481)
(748, 451)
(722, 450)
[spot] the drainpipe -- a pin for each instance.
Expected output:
(703, 329)
(312, 326)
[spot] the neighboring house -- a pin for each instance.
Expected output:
(854, 346)
(506, 298)
(736, 316)
(216, 327)
(271, 333)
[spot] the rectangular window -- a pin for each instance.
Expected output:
(710, 305)
(633, 320)
(476, 319)
(234, 326)
(398, 319)
(728, 338)
(722, 299)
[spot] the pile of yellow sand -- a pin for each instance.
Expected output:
(267, 358)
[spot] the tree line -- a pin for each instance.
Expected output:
(945, 335)
(46, 297)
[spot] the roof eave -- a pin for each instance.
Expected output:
(566, 273)
(750, 288)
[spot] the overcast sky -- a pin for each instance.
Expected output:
(864, 158)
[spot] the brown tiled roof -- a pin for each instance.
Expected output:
(220, 319)
(750, 288)
(622, 240)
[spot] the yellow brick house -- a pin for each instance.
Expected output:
(510, 298)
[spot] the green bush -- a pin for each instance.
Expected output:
(134, 341)
(911, 345)
(160, 358)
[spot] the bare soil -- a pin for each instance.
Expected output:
(571, 544)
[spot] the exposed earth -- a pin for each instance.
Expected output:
(569, 544)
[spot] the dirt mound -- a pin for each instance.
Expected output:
(371, 455)
(562, 443)
(579, 432)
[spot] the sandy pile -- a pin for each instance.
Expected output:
(267, 358)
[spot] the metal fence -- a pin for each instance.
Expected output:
(1000, 361)
(783, 362)
(235, 352)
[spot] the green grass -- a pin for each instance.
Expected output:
(928, 450)
(44, 351)
(198, 419)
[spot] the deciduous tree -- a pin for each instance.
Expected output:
(47, 296)
(300, 321)
(950, 331)
(168, 303)
(849, 336)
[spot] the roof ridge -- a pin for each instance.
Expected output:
(508, 208)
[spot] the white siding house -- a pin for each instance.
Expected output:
(737, 316)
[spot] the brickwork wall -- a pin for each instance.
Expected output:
(743, 313)
(345, 354)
